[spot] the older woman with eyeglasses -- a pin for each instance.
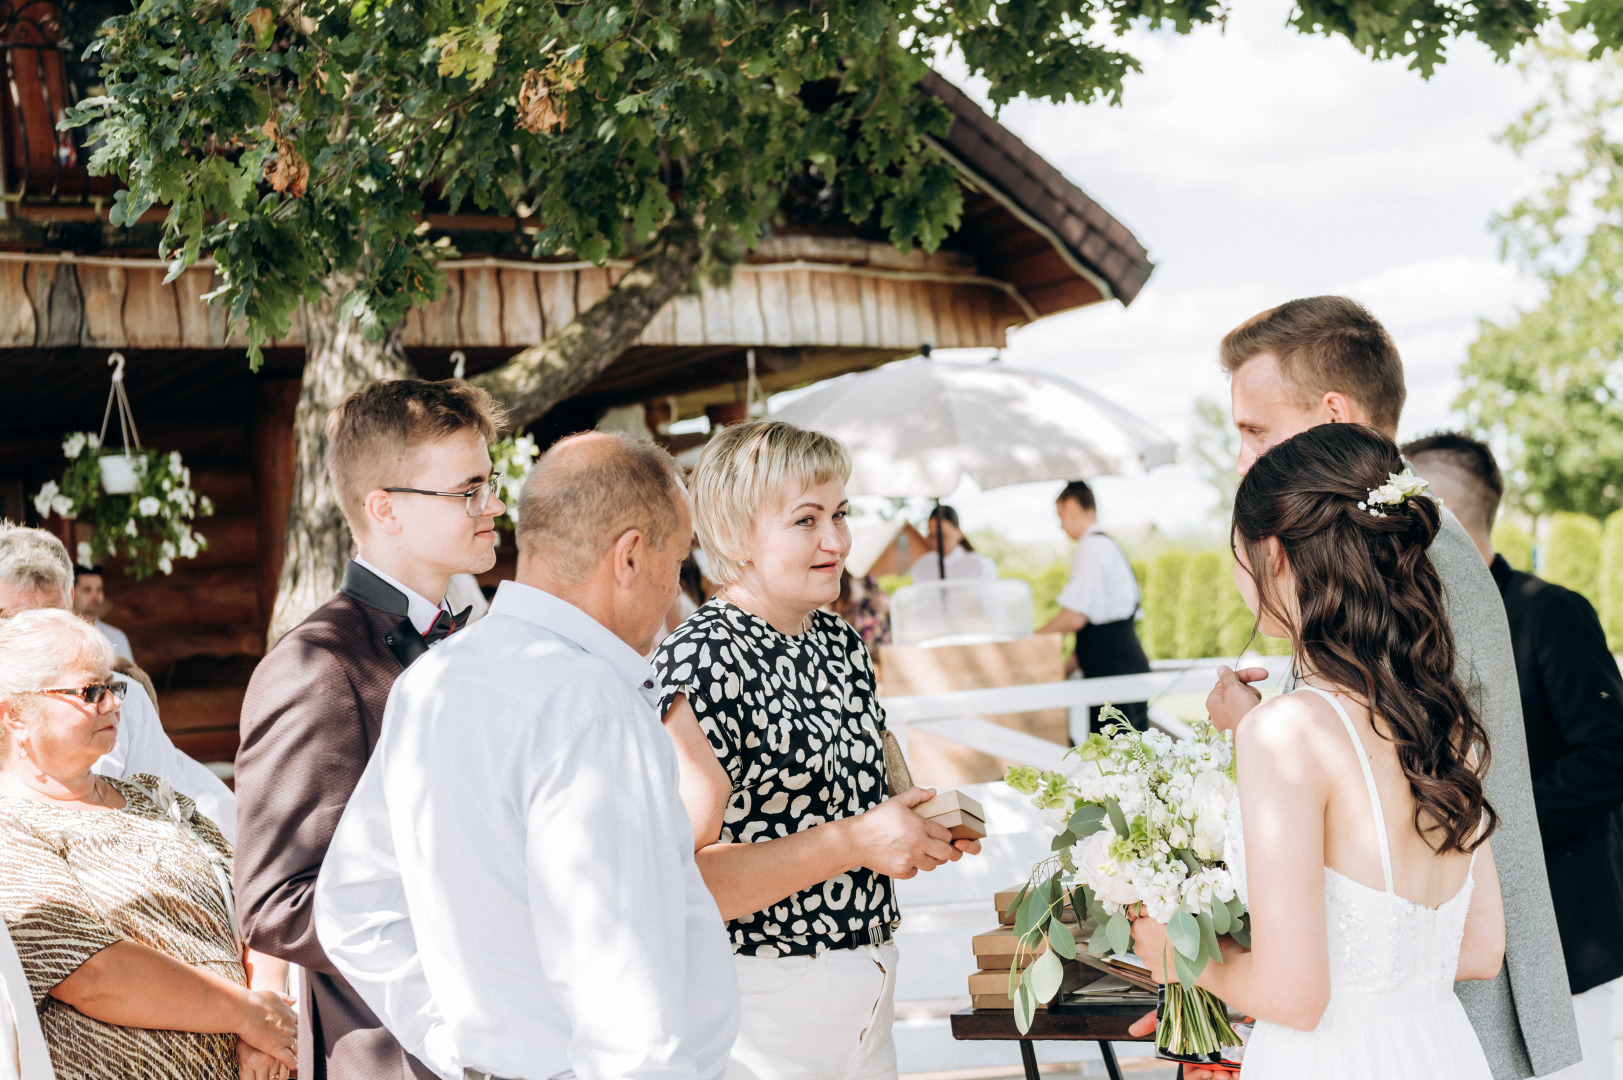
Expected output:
(117, 892)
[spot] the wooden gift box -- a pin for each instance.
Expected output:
(958, 813)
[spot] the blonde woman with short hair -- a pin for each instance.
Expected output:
(771, 703)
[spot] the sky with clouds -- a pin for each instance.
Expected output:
(1257, 164)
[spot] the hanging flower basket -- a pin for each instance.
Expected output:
(120, 473)
(139, 503)
(150, 526)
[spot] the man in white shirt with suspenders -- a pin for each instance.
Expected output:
(1099, 602)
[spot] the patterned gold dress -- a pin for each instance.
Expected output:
(76, 881)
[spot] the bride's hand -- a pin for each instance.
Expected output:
(1234, 696)
(1151, 945)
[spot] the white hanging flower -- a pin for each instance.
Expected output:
(93, 441)
(130, 530)
(174, 463)
(166, 566)
(188, 547)
(62, 505)
(86, 556)
(148, 506)
(75, 444)
(167, 551)
(42, 501)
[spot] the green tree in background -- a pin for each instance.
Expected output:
(1547, 382)
(1572, 550)
(298, 145)
(1215, 448)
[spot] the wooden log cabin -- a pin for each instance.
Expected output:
(817, 298)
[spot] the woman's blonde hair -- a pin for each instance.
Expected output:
(746, 469)
(36, 646)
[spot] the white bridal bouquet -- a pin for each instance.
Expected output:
(1140, 826)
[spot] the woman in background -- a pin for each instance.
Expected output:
(962, 561)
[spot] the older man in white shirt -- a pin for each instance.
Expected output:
(512, 887)
(35, 572)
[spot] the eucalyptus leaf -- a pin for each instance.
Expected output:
(1120, 931)
(1241, 932)
(1064, 840)
(1220, 917)
(1031, 909)
(1044, 976)
(1025, 1007)
(1118, 820)
(1019, 898)
(1208, 937)
(1184, 933)
(1099, 943)
(1061, 940)
(1188, 968)
(1088, 819)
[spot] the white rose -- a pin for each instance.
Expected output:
(1101, 872)
(1209, 809)
(148, 506)
(75, 444)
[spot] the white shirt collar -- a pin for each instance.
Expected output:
(564, 619)
(419, 609)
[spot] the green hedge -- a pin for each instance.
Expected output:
(1515, 544)
(1572, 554)
(1611, 580)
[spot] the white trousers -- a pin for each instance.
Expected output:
(1594, 1010)
(817, 1018)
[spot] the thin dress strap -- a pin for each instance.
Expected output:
(1369, 781)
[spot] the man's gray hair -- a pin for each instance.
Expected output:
(34, 560)
(575, 505)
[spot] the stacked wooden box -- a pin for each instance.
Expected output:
(996, 952)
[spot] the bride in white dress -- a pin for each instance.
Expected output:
(1363, 851)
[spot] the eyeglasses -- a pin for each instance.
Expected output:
(92, 694)
(477, 497)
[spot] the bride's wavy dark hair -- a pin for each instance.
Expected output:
(1369, 613)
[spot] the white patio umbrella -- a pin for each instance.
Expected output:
(918, 427)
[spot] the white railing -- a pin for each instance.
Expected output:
(958, 715)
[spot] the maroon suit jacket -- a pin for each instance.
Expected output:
(311, 718)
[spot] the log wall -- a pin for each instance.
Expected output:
(111, 303)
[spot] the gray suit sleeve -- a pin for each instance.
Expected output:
(1523, 1018)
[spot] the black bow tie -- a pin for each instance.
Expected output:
(445, 623)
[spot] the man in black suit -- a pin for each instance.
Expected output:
(1572, 705)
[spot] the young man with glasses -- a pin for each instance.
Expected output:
(411, 463)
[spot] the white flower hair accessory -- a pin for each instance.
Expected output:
(1398, 489)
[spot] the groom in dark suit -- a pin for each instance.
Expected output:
(1572, 707)
(411, 463)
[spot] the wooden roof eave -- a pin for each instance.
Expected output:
(992, 191)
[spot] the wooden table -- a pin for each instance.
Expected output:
(1103, 1024)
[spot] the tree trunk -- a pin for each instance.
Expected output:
(544, 374)
(338, 361)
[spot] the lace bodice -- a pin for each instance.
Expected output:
(1387, 954)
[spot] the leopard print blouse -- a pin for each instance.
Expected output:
(796, 724)
(77, 881)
